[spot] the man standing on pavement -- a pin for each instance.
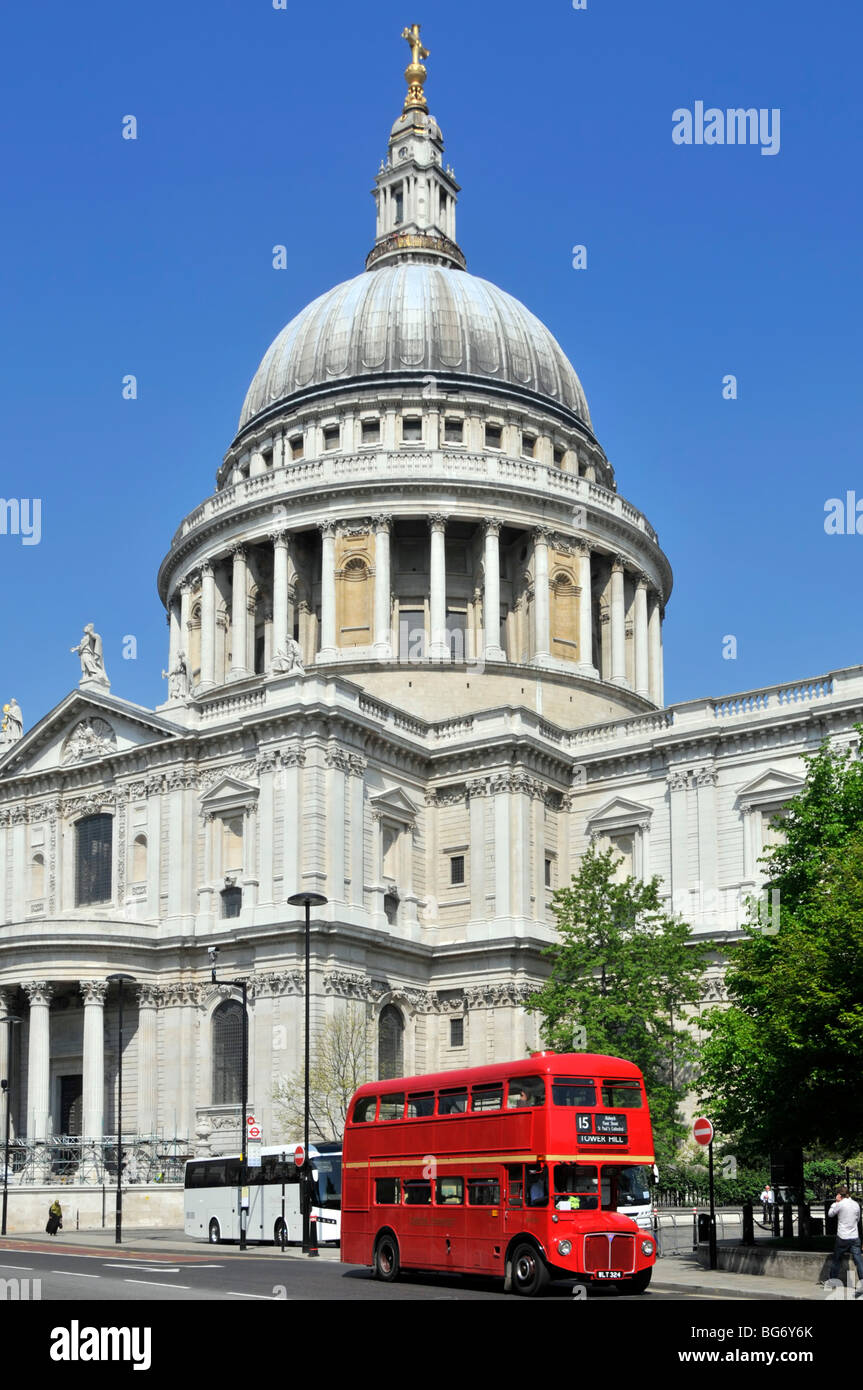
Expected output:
(766, 1200)
(847, 1235)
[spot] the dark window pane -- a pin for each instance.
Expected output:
(232, 901)
(573, 1091)
(487, 1097)
(228, 1053)
(420, 1105)
(93, 860)
(387, 1190)
(392, 1107)
(456, 1032)
(452, 1102)
(364, 1110)
(456, 869)
(417, 1194)
(621, 1095)
(449, 1191)
(525, 1090)
(391, 1031)
(483, 1192)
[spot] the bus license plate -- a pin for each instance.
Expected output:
(608, 1274)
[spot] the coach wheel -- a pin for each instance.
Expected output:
(215, 1232)
(529, 1272)
(639, 1282)
(277, 1232)
(387, 1259)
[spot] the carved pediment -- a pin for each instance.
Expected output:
(85, 727)
(772, 786)
(395, 803)
(229, 794)
(618, 814)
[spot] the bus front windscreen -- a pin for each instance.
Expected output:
(328, 1186)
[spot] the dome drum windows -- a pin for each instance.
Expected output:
(370, 431)
(453, 430)
(412, 429)
(493, 436)
(296, 446)
(332, 436)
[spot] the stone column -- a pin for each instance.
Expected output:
(383, 598)
(541, 638)
(208, 625)
(618, 624)
(185, 614)
(94, 992)
(502, 850)
(39, 993)
(290, 783)
(280, 595)
(654, 649)
(337, 765)
(491, 602)
(438, 648)
(6, 1035)
(175, 645)
(585, 612)
(239, 614)
(147, 1060)
(642, 681)
(328, 592)
(477, 811)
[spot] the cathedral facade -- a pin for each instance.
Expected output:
(414, 665)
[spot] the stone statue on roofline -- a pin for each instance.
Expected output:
(89, 649)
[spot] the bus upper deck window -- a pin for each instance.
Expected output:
(525, 1090)
(621, 1095)
(488, 1097)
(420, 1105)
(452, 1102)
(392, 1107)
(364, 1110)
(573, 1090)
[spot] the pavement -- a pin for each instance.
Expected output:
(680, 1273)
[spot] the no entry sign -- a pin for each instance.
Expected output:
(702, 1132)
(299, 1155)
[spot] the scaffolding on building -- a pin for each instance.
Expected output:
(69, 1159)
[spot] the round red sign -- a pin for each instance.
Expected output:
(299, 1155)
(702, 1131)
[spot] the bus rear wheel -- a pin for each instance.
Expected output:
(529, 1271)
(277, 1232)
(214, 1235)
(639, 1282)
(386, 1260)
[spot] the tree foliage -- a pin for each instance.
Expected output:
(782, 1065)
(339, 1064)
(622, 974)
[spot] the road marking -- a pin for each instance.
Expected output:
(16, 1266)
(154, 1283)
(232, 1293)
(74, 1274)
(145, 1269)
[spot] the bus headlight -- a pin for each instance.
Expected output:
(647, 1247)
(564, 1246)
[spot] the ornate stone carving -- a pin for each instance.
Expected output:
(93, 991)
(277, 983)
(678, 779)
(149, 996)
(293, 757)
(382, 522)
(89, 805)
(90, 738)
(38, 991)
(288, 658)
(507, 994)
(89, 649)
(240, 772)
(182, 779)
(707, 777)
(13, 723)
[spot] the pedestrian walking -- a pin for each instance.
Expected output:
(55, 1218)
(847, 1235)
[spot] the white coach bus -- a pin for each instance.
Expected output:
(211, 1187)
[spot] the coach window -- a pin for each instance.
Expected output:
(450, 1192)
(525, 1090)
(392, 1107)
(420, 1105)
(573, 1090)
(487, 1097)
(621, 1095)
(452, 1102)
(364, 1110)
(417, 1193)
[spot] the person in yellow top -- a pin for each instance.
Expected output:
(55, 1218)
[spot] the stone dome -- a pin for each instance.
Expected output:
(422, 318)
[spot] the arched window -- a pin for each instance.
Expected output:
(139, 859)
(37, 876)
(228, 1053)
(391, 1033)
(93, 860)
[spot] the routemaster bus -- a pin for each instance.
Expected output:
(516, 1169)
(211, 1187)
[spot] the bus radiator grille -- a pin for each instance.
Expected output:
(604, 1252)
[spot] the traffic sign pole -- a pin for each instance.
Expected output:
(712, 1208)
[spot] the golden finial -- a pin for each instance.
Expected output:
(415, 73)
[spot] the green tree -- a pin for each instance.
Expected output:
(340, 1062)
(622, 974)
(782, 1065)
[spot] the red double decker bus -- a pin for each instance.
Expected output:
(516, 1169)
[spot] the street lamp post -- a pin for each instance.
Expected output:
(7, 1091)
(118, 1216)
(308, 901)
(242, 986)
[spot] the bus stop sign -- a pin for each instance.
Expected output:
(299, 1155)
(702, 1132)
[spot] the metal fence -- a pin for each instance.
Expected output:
(67, 1158)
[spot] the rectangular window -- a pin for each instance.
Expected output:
(548, 873)
(296, 446)
(452, 1102)
(232, 901)
(417, 1193)
(558, 456)
(232, 844)
(392, 1107)
(456, 869)
(387, 1191)
(493, 436)
(525, 1091)
(528, 445)
(576, 1187)
(412, 429)
(573, 1091)
(449, 1192)
(487, 1097)
(371, 431)
(420, 1105)
(515, 1185)
(621, 1095)
(483, 1192)
(456, 1032)
(332, 437)
(453, 431)
(364, 1110)
(93, 837)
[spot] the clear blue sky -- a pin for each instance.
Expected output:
(259, 126)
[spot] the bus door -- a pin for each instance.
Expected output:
(450, 1243)
(484, 1223)
(254, 1191)
(526, 1197)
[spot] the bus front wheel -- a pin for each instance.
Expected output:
(215, 1232)
(386, 1261)
(639, 1282)
(277, 1232)
(529, 1272)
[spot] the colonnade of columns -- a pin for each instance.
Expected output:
(641, 671)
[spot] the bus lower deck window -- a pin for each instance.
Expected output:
(450, 1191)
(483, 1192)
(417, 1194)
(387, 1191)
